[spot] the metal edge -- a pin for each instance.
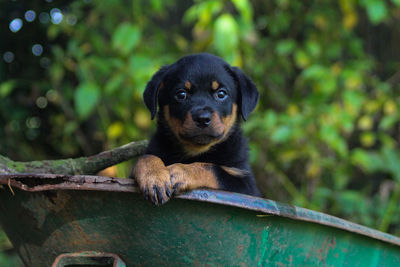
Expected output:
(101, 183)
(117, 261)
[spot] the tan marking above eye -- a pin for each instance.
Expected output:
(188, 85)
(214, 85)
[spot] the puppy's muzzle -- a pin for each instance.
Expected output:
(202, 117)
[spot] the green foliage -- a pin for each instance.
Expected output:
(86, 98)
(7, 260)
(325, 134)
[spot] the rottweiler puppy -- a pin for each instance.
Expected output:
(198, 141)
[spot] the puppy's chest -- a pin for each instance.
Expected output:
(218, 157)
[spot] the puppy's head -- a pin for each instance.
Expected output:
(200, 97)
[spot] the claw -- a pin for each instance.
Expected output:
(167, 190)
(160, 195)
(146, 193)
(154, 198)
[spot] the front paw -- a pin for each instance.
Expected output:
(153, 179)
(178, 177)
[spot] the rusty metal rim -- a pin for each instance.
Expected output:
(45, 182)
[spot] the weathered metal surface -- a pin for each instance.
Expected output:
(243, 231)
(88, 258)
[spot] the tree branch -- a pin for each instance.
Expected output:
(83, 165)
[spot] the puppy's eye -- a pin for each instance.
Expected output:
(181, 95)
(221, 94)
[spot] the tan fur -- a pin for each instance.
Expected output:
(188, 85)
(234, 171)
(220, 127)
(214, 85)
(150, 171)
(230, 120)
(192, 176)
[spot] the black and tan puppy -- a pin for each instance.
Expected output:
(198, 142)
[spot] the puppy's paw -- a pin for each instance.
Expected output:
(178, 177)
(186, 177)
(153, 179)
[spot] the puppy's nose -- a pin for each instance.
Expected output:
(202, 118)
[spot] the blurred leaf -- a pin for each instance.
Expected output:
(203, 12)
(6, 88)
(141, 68)
(126, 38)
(114, 83)
(226, 36)
(115, 130)
(324, 80)
(390, 107)
(396, 2)
(388, 122)
(330, 135)
(365, 123)
(367, 139)
(301, 58)
(285, 47)
(353, 101)
(281, 134)
(142, 118)
(157, 5)
(244, 8)
(313, 48)
(70, 127)
(376, 10)
(392, 162)
(87, 95)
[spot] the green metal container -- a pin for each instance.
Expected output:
(46, 218)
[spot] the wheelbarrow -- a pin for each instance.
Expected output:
(54, 220)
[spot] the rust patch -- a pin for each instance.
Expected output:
(215, 85)
(329, 243)
(240, 250)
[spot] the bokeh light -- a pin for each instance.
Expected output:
(8, 56)
(71, 19)
(41, 102)
(44, 17)
(16, 25)
(52, 95)
(30, 15)
(37, 49)
(33, 122)
(56, 16)
(45, 62)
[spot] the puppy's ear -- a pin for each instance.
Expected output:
(248, 92)
(152, 88)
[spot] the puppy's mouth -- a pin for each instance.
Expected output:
(201, 139)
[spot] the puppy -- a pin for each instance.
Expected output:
(198, 141)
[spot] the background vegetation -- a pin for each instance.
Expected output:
(325, 134)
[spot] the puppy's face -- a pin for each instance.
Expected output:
(199, 105)
(198, 98)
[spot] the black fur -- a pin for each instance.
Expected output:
(232, 152)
